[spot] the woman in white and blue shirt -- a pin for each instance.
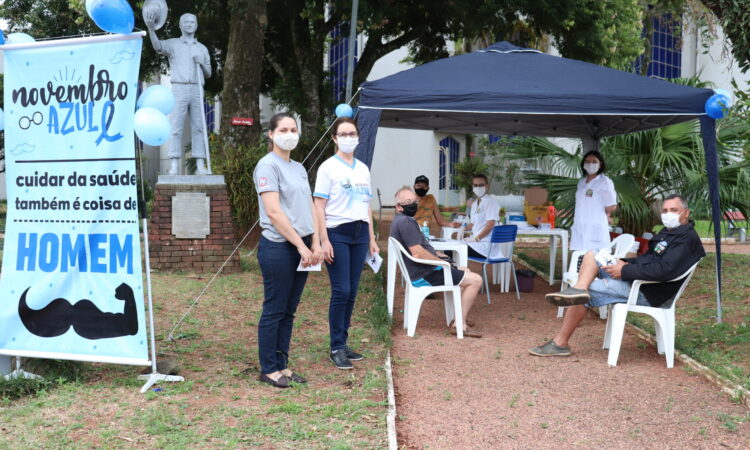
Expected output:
(342, 197)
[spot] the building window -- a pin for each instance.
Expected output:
(448, 160)
(337, 61)
(665, 59)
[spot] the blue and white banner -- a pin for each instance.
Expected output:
(71, 285)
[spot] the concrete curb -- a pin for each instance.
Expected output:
(726, 385)
(391, 416)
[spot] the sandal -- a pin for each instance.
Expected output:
(468, 332)
(468, 322)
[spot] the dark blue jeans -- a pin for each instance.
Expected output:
(351, 243)
(282, 289)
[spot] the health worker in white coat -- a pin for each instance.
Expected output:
(596, 199)
(485, 212)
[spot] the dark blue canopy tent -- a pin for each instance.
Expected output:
(508, 90)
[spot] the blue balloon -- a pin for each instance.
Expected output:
(152, 126)
(113, 16)
(19, 38)
(716, 106)
(2, 38)
(344, 110)
(158, 97)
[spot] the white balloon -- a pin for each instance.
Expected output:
(19, 38)
(152, 126)
(157, 96)
(726, 94)
(90, 4)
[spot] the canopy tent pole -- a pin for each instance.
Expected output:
(708, 133)
(352, 43)
(367, 122)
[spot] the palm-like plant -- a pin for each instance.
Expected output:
(644, 167)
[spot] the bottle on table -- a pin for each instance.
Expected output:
(425, 230)
(551, 213)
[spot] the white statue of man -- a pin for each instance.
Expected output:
(186, 55)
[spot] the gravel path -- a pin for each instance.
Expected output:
(490, 393)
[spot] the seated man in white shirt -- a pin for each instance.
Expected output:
(484, 214)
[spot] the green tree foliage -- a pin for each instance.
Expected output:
(465, 171)
(237, 163)
(44, 19)
(511, 174)
(734, 16)
(299, 33)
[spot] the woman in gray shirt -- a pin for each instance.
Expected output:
(289, 239)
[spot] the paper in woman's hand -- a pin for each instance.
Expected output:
(313, 268)
(374, 261)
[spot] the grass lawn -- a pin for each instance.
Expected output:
(705, 228)
(221, 403)
(723, 347)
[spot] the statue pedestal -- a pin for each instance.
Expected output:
(191, 226)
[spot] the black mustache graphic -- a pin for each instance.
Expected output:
(87, 320)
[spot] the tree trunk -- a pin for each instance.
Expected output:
(242, 71)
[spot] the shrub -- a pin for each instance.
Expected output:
(236, 163)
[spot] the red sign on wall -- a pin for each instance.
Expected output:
(243, 121)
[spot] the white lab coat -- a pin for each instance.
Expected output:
(590, 226)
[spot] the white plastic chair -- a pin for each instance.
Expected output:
(619, 247)
(414, 296)
(664, 321)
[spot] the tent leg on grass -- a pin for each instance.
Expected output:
(708, 133)
(18, 373)
(153, 377)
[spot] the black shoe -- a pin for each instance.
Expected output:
(297, 378)
(282, 382)
(340, 359)
(352, 355)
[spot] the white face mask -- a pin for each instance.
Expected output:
(286, 141)
(591, 168)
(670, 220)
(347, 144)
(479, 191)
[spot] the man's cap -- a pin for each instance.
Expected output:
(422, 179)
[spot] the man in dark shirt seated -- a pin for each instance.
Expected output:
(671, 253)
(406, 231)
